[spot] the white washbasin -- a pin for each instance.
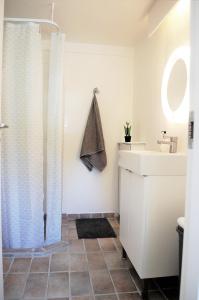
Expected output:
(145, 162)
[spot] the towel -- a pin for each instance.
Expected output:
(93, 152)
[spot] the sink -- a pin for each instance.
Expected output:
(143, 162)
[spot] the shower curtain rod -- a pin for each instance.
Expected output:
(24, 20)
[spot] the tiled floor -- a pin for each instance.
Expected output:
(87, 270)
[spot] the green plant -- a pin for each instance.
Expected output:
(127, 129)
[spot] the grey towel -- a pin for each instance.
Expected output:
(93, 152)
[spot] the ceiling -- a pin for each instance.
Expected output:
(115, 22)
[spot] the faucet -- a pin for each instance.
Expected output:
(170, 140)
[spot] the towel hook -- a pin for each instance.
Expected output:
(95, 91)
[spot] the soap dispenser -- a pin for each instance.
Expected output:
(164, 147)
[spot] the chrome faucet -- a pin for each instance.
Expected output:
(169, 140)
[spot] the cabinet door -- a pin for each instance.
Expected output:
(124, 194)
(137, 220)
(132, 217)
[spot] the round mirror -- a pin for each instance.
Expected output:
(175, 86)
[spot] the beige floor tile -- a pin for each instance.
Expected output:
(107, 244)
(36, 285)
(64, 220)
(91, 245)
(76, 246)
(21, 265)
(83, 298)
(72, 234)
(59, 262)
(80, 283)
(15, 283)
(6, 263)
(58, 285)
(130, 296)
(117, 231)
(14, 286)
(65, 230)
(101, 281)
(118, 244)
(65, 238)
(78, 262)
(72, 224)
(40, 264)
(56, 299)
(36, 299)
(114, 261)
(106, 297)
(122, 281)
(64, 227)
(96, 261)
(114, 223)
(109, 215)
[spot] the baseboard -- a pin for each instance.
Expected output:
(89, 215)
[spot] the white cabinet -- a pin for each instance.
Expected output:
(149, 208)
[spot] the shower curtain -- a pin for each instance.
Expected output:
(23, 143)
(22, 150)
(54, 139)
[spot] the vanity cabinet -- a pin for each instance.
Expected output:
(149, 208)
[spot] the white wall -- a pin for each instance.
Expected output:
(111, 70)
(150, 57)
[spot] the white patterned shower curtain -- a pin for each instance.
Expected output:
(55, 139)
(23, 143)
(22, 149)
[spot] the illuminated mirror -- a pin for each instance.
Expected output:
(175, 86)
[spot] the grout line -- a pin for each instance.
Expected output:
(107, 294)
(115, 244)
(132, 279)
(27, 275)
(91, 283)
(138, 290)
(109, 272)
(49, 263)
(11, 263)
(69, 279)
(69, 273)
(160, 290)
(133, 292)
(169, 288)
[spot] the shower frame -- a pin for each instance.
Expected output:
(40, 21)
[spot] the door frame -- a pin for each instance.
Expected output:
(190, 265)
(1, 44)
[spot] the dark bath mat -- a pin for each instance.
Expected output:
(94, 228)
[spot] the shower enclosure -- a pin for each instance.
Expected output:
(32, 106)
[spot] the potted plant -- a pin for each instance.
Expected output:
(127, 130)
